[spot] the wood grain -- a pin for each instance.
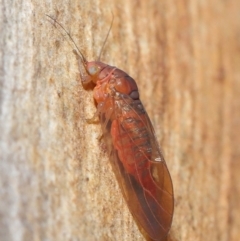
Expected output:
(56, 179)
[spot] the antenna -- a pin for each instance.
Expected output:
(105, 40)
(83, 59)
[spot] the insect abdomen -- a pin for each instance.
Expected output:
(131, 139)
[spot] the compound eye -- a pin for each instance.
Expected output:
(93, 70)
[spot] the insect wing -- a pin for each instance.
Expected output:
(138, 164)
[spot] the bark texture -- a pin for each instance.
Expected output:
(55, 176)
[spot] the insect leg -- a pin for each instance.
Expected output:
(92, 120)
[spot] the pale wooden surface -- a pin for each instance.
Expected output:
(56, 180)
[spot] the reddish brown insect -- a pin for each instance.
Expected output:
(132, 146)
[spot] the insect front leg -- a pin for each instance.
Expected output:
(95, 118)
(92, 120)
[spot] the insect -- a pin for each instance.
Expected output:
(133, 150)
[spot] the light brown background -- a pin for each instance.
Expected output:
(56, 179)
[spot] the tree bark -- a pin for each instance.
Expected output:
(55, 176)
